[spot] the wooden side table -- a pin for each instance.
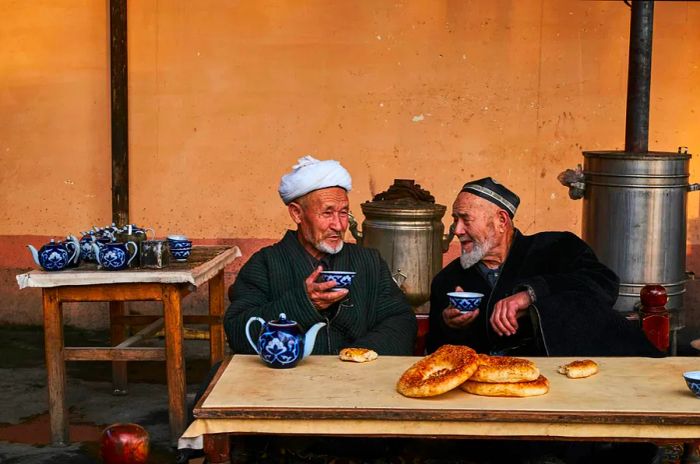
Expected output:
(169, 285)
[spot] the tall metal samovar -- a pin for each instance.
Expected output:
(405, 224)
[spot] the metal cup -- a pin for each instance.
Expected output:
(154, 254)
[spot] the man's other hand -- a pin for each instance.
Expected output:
(320, 293)
(456, 319)
(506, 312)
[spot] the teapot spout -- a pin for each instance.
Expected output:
(35, 254)
(310, 338)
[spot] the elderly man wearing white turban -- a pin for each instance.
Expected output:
(372, 314)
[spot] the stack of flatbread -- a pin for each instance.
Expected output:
(506, 376)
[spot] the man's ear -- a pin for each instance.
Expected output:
(503, 220)
(295, 212)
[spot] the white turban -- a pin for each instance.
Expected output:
(310, 174)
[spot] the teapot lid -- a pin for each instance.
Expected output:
(404, 198)
(53, 244)
(282, 321)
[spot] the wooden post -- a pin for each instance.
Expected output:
(120, 112)
(175, 360)
(216, 310)
(217, 447)
(117, 328)
(55, 366)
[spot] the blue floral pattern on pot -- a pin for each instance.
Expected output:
(113, 258)
(280, 348)
(53, 259)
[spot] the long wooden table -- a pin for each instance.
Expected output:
(631, 399)
(169, 285)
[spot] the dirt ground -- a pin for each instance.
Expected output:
(24, 425)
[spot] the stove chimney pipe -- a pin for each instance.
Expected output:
(639, 77)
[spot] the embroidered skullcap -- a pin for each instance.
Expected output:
(496, 193)
(310, 174)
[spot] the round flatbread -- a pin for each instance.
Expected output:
(358, 355)
(520, 389)
(579, 369)
(504, 369)
(439, 372)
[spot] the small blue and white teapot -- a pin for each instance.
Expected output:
(114, 256)
(53, 256)
(281, 344)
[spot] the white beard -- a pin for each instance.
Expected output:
(470, 258)
(324, 248)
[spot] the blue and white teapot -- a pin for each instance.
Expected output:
(54, 256)
(281, 344)
(114, 256)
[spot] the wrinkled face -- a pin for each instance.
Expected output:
(474, 221)
(322, 219)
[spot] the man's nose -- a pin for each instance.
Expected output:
(337, 223)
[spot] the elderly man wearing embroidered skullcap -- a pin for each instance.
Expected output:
(372, 314)
(544, 294)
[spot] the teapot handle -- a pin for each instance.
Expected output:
(247, 331)
(133, 255)
(75, 244)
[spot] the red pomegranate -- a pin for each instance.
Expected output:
(124, 444)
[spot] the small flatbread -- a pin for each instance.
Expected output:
(579, 369)
(504, 369)
(518, 389)
(358, 355)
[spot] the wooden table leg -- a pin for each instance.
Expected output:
(175, 360)
(55, 366)
(217, 447)
(216, 309)
(117, 335)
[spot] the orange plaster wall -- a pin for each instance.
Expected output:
(224, 96)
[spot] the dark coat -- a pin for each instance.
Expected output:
(572, 315)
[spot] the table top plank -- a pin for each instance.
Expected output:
(203, 264)
(626, 391)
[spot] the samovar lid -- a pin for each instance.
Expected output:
(404, 198)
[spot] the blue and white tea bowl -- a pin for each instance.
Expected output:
(179, 243)
(465, 301)
(342, 279)
(692, 378)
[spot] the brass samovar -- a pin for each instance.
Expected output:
(405, 224)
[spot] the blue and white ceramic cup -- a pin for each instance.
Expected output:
(342, 279)
(180, 247)
(465, 301)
